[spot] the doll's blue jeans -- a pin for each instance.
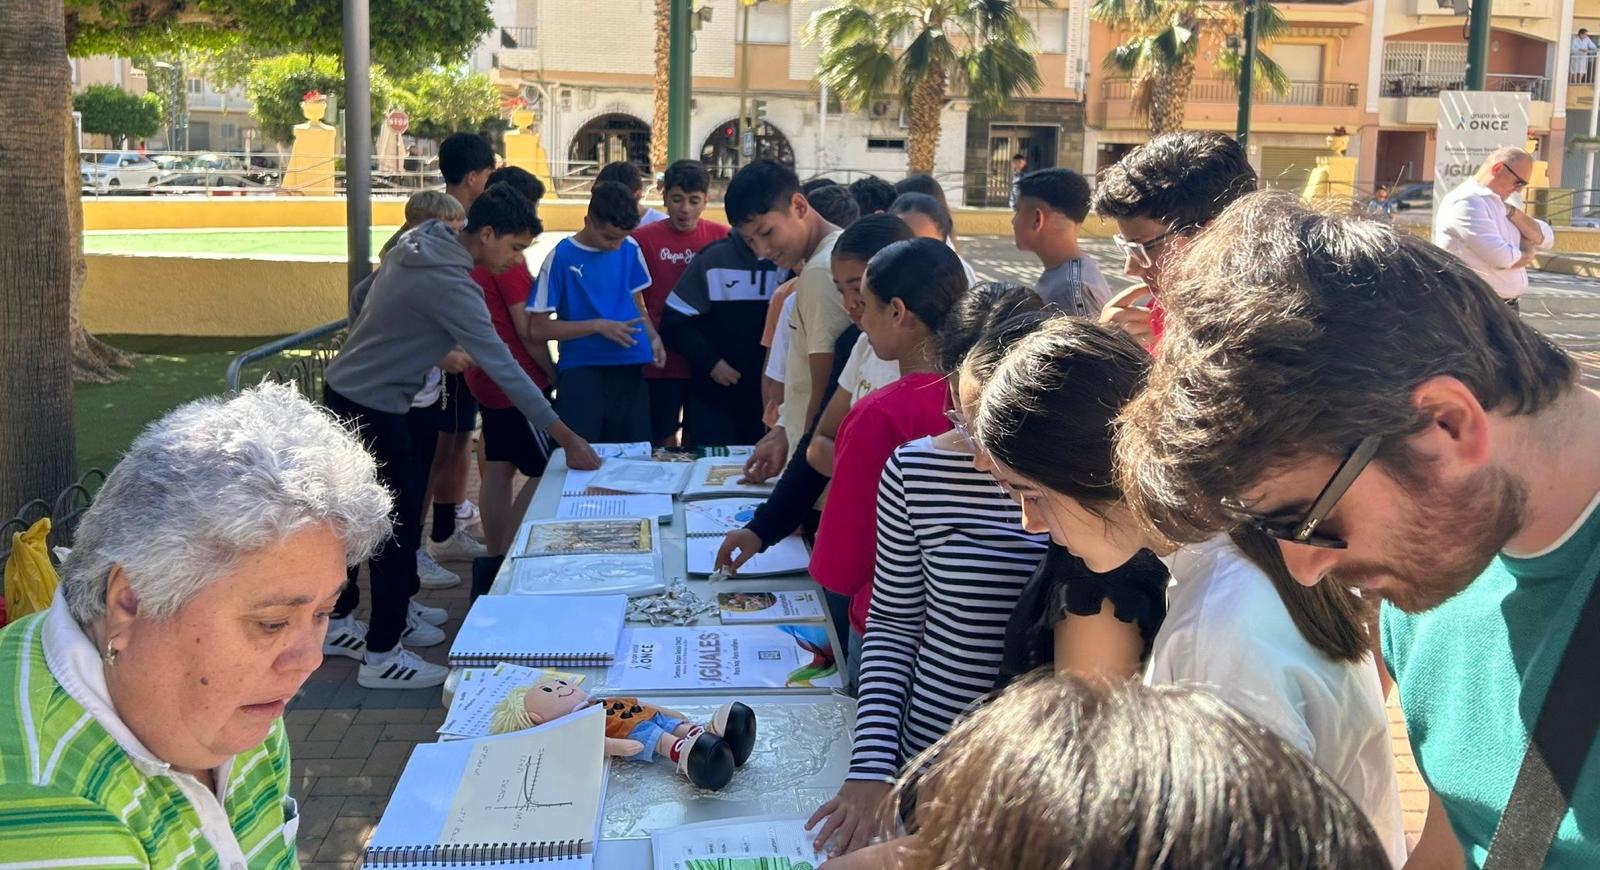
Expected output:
(649, 733)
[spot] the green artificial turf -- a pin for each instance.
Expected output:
(328, 242)
(172, 370)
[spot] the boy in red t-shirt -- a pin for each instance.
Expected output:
(510, 444)
(668, 247)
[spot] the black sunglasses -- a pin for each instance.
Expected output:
(1304, 530)
(1521, 182)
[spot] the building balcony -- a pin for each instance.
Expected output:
(1430, 84)
(516, 49)
(1226, 91)
(1307, 107)
(1412, 99)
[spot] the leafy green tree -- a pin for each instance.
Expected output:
(445, 100)
(42, 342)
(277, 84)
(917, 50)
(1162, 38)
(111, 111)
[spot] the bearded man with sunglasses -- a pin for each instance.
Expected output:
(1363, 397)
(1478, 223)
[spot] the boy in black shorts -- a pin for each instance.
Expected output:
(466, 161)
(509, 443)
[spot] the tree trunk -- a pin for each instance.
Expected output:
(36, 439)
(658, 120)
(927, 101)
(93, 361)
(1170, 91)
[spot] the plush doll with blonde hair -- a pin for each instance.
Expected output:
(706, 755)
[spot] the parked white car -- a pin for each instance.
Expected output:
(120, 169)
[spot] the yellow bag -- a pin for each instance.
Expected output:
(30, 578)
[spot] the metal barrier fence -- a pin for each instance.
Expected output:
(300, 359)
(64, 511)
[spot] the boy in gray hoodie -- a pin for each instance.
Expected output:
(420, 304)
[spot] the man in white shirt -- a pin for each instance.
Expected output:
(1581, 66)
(1478, 224)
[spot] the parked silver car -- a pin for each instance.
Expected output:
(125, 170)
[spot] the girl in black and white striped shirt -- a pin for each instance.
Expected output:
(951, 561)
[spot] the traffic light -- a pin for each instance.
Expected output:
(758, 111)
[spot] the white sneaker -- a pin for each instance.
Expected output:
(460, 545)
(399, 668)
(432, 575)
(467, 514)
(419, 633)
(347, 636)
(430, 615)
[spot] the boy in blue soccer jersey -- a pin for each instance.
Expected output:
(590, 299)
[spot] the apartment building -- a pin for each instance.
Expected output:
(218, 119)
(1583, 123)
(1325, 54)
(1424, 52)
(589, 70)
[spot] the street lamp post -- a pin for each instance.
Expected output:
(679, 76)
(1247, 73)
(1478, 21)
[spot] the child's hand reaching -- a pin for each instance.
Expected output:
(623, 332)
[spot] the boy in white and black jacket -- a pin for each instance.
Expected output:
(714, 316)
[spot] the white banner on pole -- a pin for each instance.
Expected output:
(1472, 124)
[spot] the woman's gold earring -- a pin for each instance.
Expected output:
(110, 655)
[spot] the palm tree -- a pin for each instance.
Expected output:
(36, 430)
(1165, 36)
(920, 50)
(658, 117)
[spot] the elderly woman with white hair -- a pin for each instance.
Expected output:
(141, 714)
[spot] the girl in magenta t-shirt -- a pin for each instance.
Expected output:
(908, 289)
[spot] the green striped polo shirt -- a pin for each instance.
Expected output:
(72, 796)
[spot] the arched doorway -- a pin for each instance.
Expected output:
(721, 154)
(610, 138)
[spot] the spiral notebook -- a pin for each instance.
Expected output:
(540, 630)
(532, 795)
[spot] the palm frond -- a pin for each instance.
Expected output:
(1267, 72)
(996, 71)
(844, 23)
(859, 73)
(1127, 57)
(1270, 23)
(1111, 11)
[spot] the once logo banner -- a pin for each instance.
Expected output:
(1472, 124)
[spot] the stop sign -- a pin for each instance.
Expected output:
(398, 121)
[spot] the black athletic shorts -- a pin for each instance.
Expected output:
(509, 437)
(460, 412)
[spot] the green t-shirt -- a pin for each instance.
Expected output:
(1473, 674)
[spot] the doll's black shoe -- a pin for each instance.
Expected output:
(736, 723)
(704, 760)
